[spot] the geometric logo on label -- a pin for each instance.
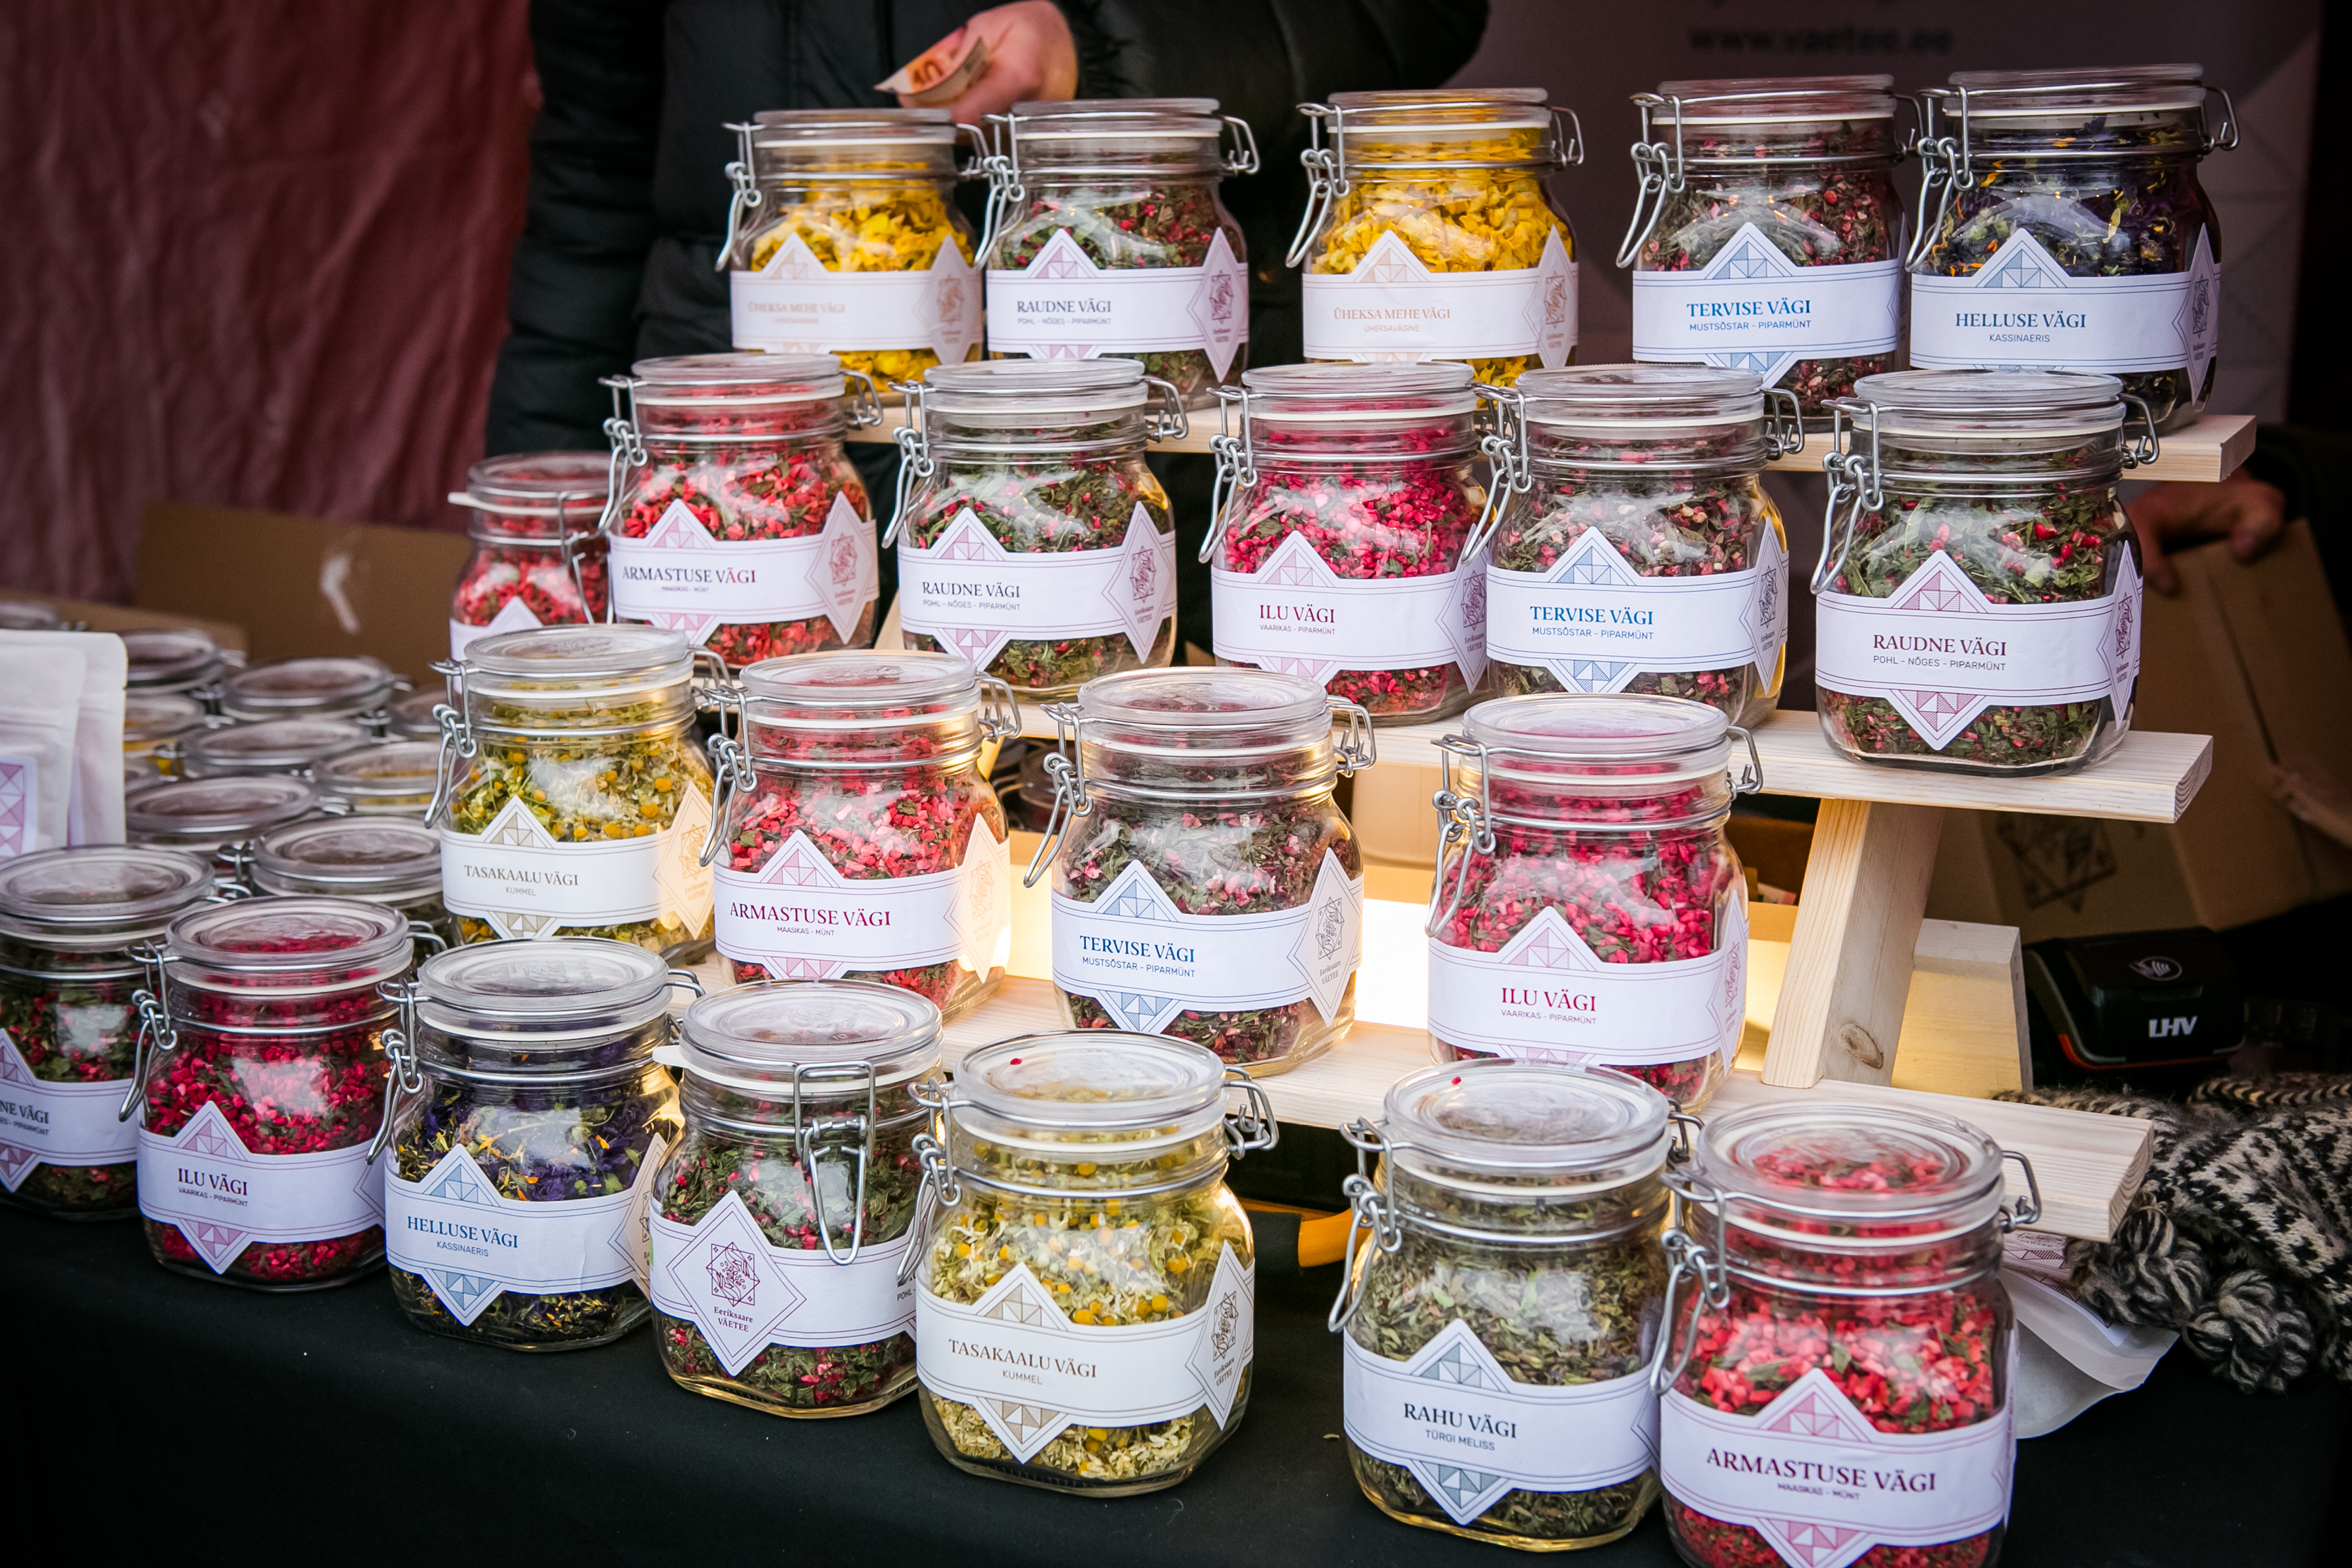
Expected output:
(955, 301)
(462, 1290)
(1548, 942)
(1593, 674)
(1222, 1354)
(1818, 1412)
(2024, 264)
(1455, 1486)
(1469, 616)
(219, 1243)
(13, 1068)
(18, 805)
(1023, 1304)
(1551, 313)
(1392, 262)
(734, 1278)
(1144, 591)
(1022, 1426)
(1810, 1545)
(1220, 308)
(1330, 946)
(215, 1141)
(464, 1183)
(14, 1161)
(1750, 257)
(1458, 1365)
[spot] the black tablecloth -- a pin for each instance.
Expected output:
(218, 1424)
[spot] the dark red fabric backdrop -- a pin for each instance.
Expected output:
(257, 256)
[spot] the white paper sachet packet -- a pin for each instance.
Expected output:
(40, 699)
(96, 774)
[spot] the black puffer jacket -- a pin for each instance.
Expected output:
(628, 189)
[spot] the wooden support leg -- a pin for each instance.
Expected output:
(1850, 958)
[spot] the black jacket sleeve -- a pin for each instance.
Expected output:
(588, 221)
(2313, 467)
(1261, 59)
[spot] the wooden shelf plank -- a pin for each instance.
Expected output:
(2211, 449)
(2152, 776)
(2088, 1165)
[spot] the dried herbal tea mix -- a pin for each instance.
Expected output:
(737, 1206)
(1778, 253)
(1039, 546)
(583, 737)
(1415, 186)
(537, 559)
(69, 921)
(740, 522)
(1887, 1343)
(266, 1041)
(523, 1159)
(844, 238)
(1607, 818)
(2019, 512)
(1118, 198)
(1048, 1136)
(1368, 468)
(2090, 174)
(1213, 891)
(1517, 1244)
(860, 840)
(1644, 555)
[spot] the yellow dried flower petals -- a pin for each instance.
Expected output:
(890, 226)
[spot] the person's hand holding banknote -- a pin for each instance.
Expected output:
(1004, 56)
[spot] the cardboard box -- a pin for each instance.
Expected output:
(304, 584)
(2254, 656)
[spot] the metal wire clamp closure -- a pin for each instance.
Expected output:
(2018, 1217)
(456, 735)
(937, 1190)
(1506, 449)
(1236, 460)
(845, 1135)
(406, 1077)
(152, 1001)
(916, 463)
(1686, 1257)
(1370, 1214)
(628, 452)
(1070, 798)
(746, 193)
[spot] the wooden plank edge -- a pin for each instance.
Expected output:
(2213, 448)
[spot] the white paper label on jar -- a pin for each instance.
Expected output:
(1016, 1359)
(678, 577)
(1547, 997)
(800, 919)
(1812, 1474)
(517, 877)
(471, 1244)
(1751, 307)
(1391, 306)
(1145, 961)
(1063, 306)
(1296, 615)
(1942, 654)
(514, 616)
(1597, 625)
(974, 596)
(1468, 1433)
(794, 305)
(223, 1198)
(2022, 310)
(58, 1121)
(723, 1276)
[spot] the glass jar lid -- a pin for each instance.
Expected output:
(1220, 731)
(536, 495)
(1023, 392)
(1809, 1173)
(1109, 135)
(281, 944)
(1769, 101)
(1494, 127)
(194, 812)
(98, 895)
(352, 856)
(413, 717)
(1606, 744)
(1992, 402)
(1638, 397)
(30, 615)
(389, 776)
(2025, 94)
(758, 1039)
(1310, 393)
(1048, 1092)
(1480, 1123)
(737, 396)
(602, 679)
(811, 132)
(854, 705)
(270, 746)
(502, 1002)
(287, 688)
(169, 660)
(149, 719)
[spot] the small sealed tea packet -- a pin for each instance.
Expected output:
(40, 690)
(94, 772)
